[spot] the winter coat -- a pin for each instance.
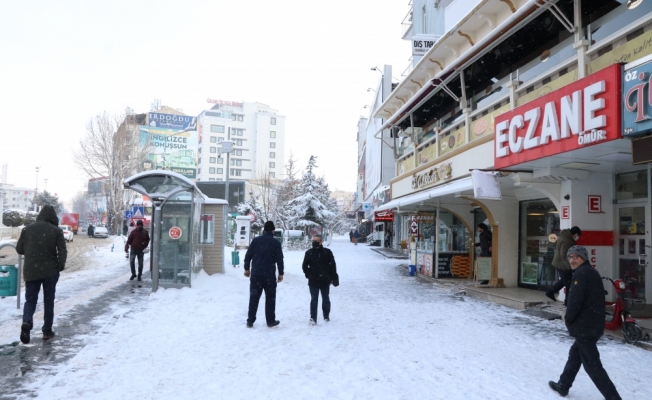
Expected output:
(485, 243)
(356, 234)
(564, 242)
(585, 314)
(138, 240)
(319, 266)
(43, 246)
(91, 230)
(267, 254)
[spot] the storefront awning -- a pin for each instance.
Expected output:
(459, 185)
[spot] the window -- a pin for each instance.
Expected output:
(213, 160)
(220, 170)
(213, 139)
(271, 175)
(272, 121)
(236, 172)
(217, 128)
(220, 139)
(272, 134)
(240, 118)
(631, 185)
(213, 149)
(272, 165)
(232, 162)
(237, 132)
(272, 145)
(238, 142)
(211, 170)
(207, 228)
(220, 160)
(213, 114)
(238, 152)
(238, 163)
(234, 117)
(272, 155)
(211, 179)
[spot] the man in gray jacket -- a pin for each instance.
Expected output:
(565, 241)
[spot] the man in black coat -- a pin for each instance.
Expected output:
(585, 318)
(44, 247)
(485, 243)
(138, 240)
(320, 270)
(267, 254)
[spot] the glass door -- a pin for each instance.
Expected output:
(633, 244)
(538, 219)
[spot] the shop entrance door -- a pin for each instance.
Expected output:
(634, 244)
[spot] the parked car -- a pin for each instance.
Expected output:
(101, 232)
(67, 232)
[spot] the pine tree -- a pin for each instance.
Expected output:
(46, 198)
(310, 207)
(253, 207)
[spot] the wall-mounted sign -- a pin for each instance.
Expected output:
(414, 225)
(431, 176)
(595, 204)
(637, 102)
(565, 212)
(584, 113)
(384, 216)
(422, 43)
(224, 102)
(171, 121)
(175, 232)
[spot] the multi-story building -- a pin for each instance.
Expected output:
(258, 135)
(529, 102)
(17, 198)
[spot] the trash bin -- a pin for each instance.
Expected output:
(235, 258)
(8, 280)
(413, 270)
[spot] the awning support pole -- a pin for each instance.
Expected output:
(414, 139)
(435, 263)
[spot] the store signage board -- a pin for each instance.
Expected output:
(383, 216)
(414, 225)
(175, 232)
(483, 266)
(584, 113)
(485, 185)
(421, 44)
(637, 101)
(565, 212)
(595, 204)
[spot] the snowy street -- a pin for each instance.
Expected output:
(391, 336)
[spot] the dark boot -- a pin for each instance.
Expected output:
(133, 276)
(24, 332)
(140, 272)
(559, 388)
(551, 295)
(47, 335)
(273, 324)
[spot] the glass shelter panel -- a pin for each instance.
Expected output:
(176, 240)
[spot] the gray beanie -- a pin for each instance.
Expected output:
(580, 251)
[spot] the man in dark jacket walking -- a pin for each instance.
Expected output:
(267, 254)
(320, 270)
(566, 240)
(44, 248)
(138, 240)
(585, 318)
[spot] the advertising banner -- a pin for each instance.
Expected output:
(584, 113)
(171, 121)
(172, 150)
(422, 43)
(637, 102)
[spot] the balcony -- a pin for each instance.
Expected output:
(406, 25)
(457, 10)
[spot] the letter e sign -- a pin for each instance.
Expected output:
(595, 204)
(565, 212)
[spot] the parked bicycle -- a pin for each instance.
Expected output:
(620, 317)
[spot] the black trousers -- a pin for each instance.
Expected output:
(325, 300)
(132, 262)
(31, 298)
(565, 279)
(258, 284)
(584, 352)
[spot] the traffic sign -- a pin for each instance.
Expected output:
(414, 225)
(175, 232)
(138, 212)
(128, 215)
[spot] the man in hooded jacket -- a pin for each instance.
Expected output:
(320, 270)
(138, 240)
(44, 247)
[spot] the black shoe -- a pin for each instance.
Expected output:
(273, 324)
(250, 324)
(326, 319)
(313, 321)
(484, 282)
(551, 295)
(559, 388)
(47, 335)
(139, 278)
(24, 332)
(133, 276)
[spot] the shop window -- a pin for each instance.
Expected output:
(538, 219)
(631, 185)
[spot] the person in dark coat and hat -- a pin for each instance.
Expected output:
(263, 256)
(585, 317)
(565, 241)
(320, 270)
(44, 247)
(138, 240)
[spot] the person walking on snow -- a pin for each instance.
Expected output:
(44, 247)
(138, 240)
(566, 240)
(351, 236)
(585, 317)
(356, 237)
(267, 254)
(320, 270)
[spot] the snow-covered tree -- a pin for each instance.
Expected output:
(287, 191)
(253, 207)
(46, 198)
(12, 218)
(310, 207)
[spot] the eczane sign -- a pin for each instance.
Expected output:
(584, 113)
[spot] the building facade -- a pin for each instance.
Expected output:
(258, 135)
(17, 198)
(517, 117)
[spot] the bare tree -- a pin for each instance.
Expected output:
(80, 204)
(112, 148)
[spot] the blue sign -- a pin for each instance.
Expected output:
(637, 101)
(137, 212)
(128, 215)
(171, 121)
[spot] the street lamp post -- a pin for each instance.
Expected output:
(45, 188)
(227, 147)
(36, 190)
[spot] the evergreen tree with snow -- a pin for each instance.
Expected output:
(253, 207)
(310, 207)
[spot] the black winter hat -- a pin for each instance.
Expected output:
(269, 226)
(139, 223)
(482, 225)
(576, 231)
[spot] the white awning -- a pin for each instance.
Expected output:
(459, 185)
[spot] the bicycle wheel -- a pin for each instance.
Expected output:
(631, 332)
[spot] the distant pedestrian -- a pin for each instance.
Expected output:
(138, 240)
(565, 241)
(351, 236)
(320, 270)
(388, 238)
(585, 316)
(267, 255)
(485, 243)
(91, 230)
(356, 237)
(44, 247)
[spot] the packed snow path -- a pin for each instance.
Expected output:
(391, 336)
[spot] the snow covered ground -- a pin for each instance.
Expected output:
(390, 337)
